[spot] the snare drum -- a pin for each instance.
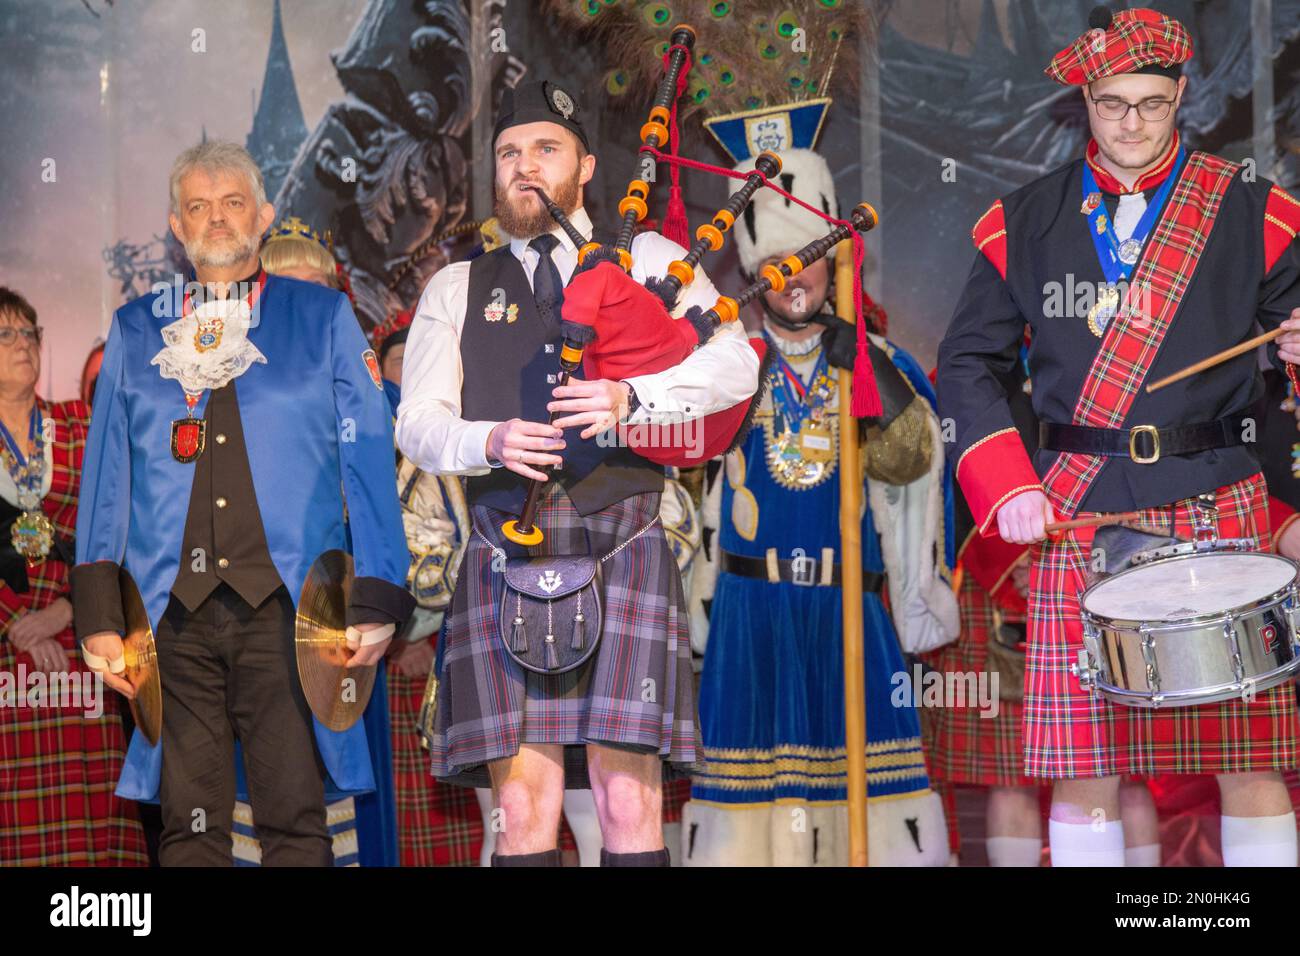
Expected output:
(1191, 629)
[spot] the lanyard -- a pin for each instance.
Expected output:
(13, 445)
(789, 393)
(1118, 259)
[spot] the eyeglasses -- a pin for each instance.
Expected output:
(1113, 108)
(31, 334)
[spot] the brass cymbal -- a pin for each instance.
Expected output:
(141, 661)
(336, 694)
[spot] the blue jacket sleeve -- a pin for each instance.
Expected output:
(368, 460)
(104, 506)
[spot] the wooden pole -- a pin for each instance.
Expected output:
(1215, 359)
(855, 695)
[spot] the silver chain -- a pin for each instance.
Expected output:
(648, 525)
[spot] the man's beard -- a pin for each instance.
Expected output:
(200, 254)
(524, 224)
(785, 318)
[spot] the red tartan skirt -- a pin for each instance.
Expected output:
(965, 748)
(1069, 733)
(58, 770)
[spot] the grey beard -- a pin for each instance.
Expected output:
(220, 260)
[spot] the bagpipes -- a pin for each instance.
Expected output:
(616, 328)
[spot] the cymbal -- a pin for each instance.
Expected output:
(141, 661)
(336, 694)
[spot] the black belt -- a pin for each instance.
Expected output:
(1144, 444)
(802, 571)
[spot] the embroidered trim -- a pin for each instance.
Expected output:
(991, 210)
(997, 235)
(1268, 217)
(1001, 431)
(1278, 191)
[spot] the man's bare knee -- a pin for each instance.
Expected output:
(1085, 800)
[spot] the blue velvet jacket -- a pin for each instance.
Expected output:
(317, 428)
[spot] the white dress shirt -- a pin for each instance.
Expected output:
(721, 373)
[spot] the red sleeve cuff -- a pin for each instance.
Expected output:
(1280, 516)
(991, 472)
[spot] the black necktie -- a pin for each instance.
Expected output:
(548, 289)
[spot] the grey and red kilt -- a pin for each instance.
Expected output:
(58, 766)
(636, 692)
(1069, 733)
(965, 748)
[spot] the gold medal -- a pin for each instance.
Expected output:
(32, 536)
(1107, 306)
(816, 444)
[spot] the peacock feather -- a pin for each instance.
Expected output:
(748, 53)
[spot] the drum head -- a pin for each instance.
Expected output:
(1185, 588)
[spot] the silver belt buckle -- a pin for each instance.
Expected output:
(803, 569)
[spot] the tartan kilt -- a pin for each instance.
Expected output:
(636, 692)
(59, 767)
(965, 748)
(58, 771)
(1069, 733)
(437, 824)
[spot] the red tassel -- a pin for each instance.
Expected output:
(866, 397)
(676, 226)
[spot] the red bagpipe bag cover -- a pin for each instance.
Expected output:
(634, 335)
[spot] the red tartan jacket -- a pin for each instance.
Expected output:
(1034, 266)
(48, 580)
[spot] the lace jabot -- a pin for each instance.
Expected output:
(208, 347)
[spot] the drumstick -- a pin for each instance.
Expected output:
(1215, 359)
(1052, 527)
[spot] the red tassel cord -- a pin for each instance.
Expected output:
(866, 397)
(676, 226)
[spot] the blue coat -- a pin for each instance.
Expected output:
(317, 427)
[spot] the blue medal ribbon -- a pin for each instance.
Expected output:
(13, 445)
(1102, 228)
(789, 399)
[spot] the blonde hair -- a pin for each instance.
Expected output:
(282, 253)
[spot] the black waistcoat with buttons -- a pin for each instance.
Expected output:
(224, 536)
(511, 361)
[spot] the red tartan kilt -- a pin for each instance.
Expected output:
(964, 747)
(1068, 733)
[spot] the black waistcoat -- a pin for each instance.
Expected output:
(224, 522)
(511, 362)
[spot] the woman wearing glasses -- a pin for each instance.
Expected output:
(61, 740)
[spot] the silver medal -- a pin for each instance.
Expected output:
(1129, 250)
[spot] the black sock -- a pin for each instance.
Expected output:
(649, 858)
(545, 858)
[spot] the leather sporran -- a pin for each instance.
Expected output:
(1006, 655)
(551, 611)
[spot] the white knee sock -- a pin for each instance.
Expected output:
(1259, 841)
(1014, 851)
(1146, 855)
(1079, 844)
